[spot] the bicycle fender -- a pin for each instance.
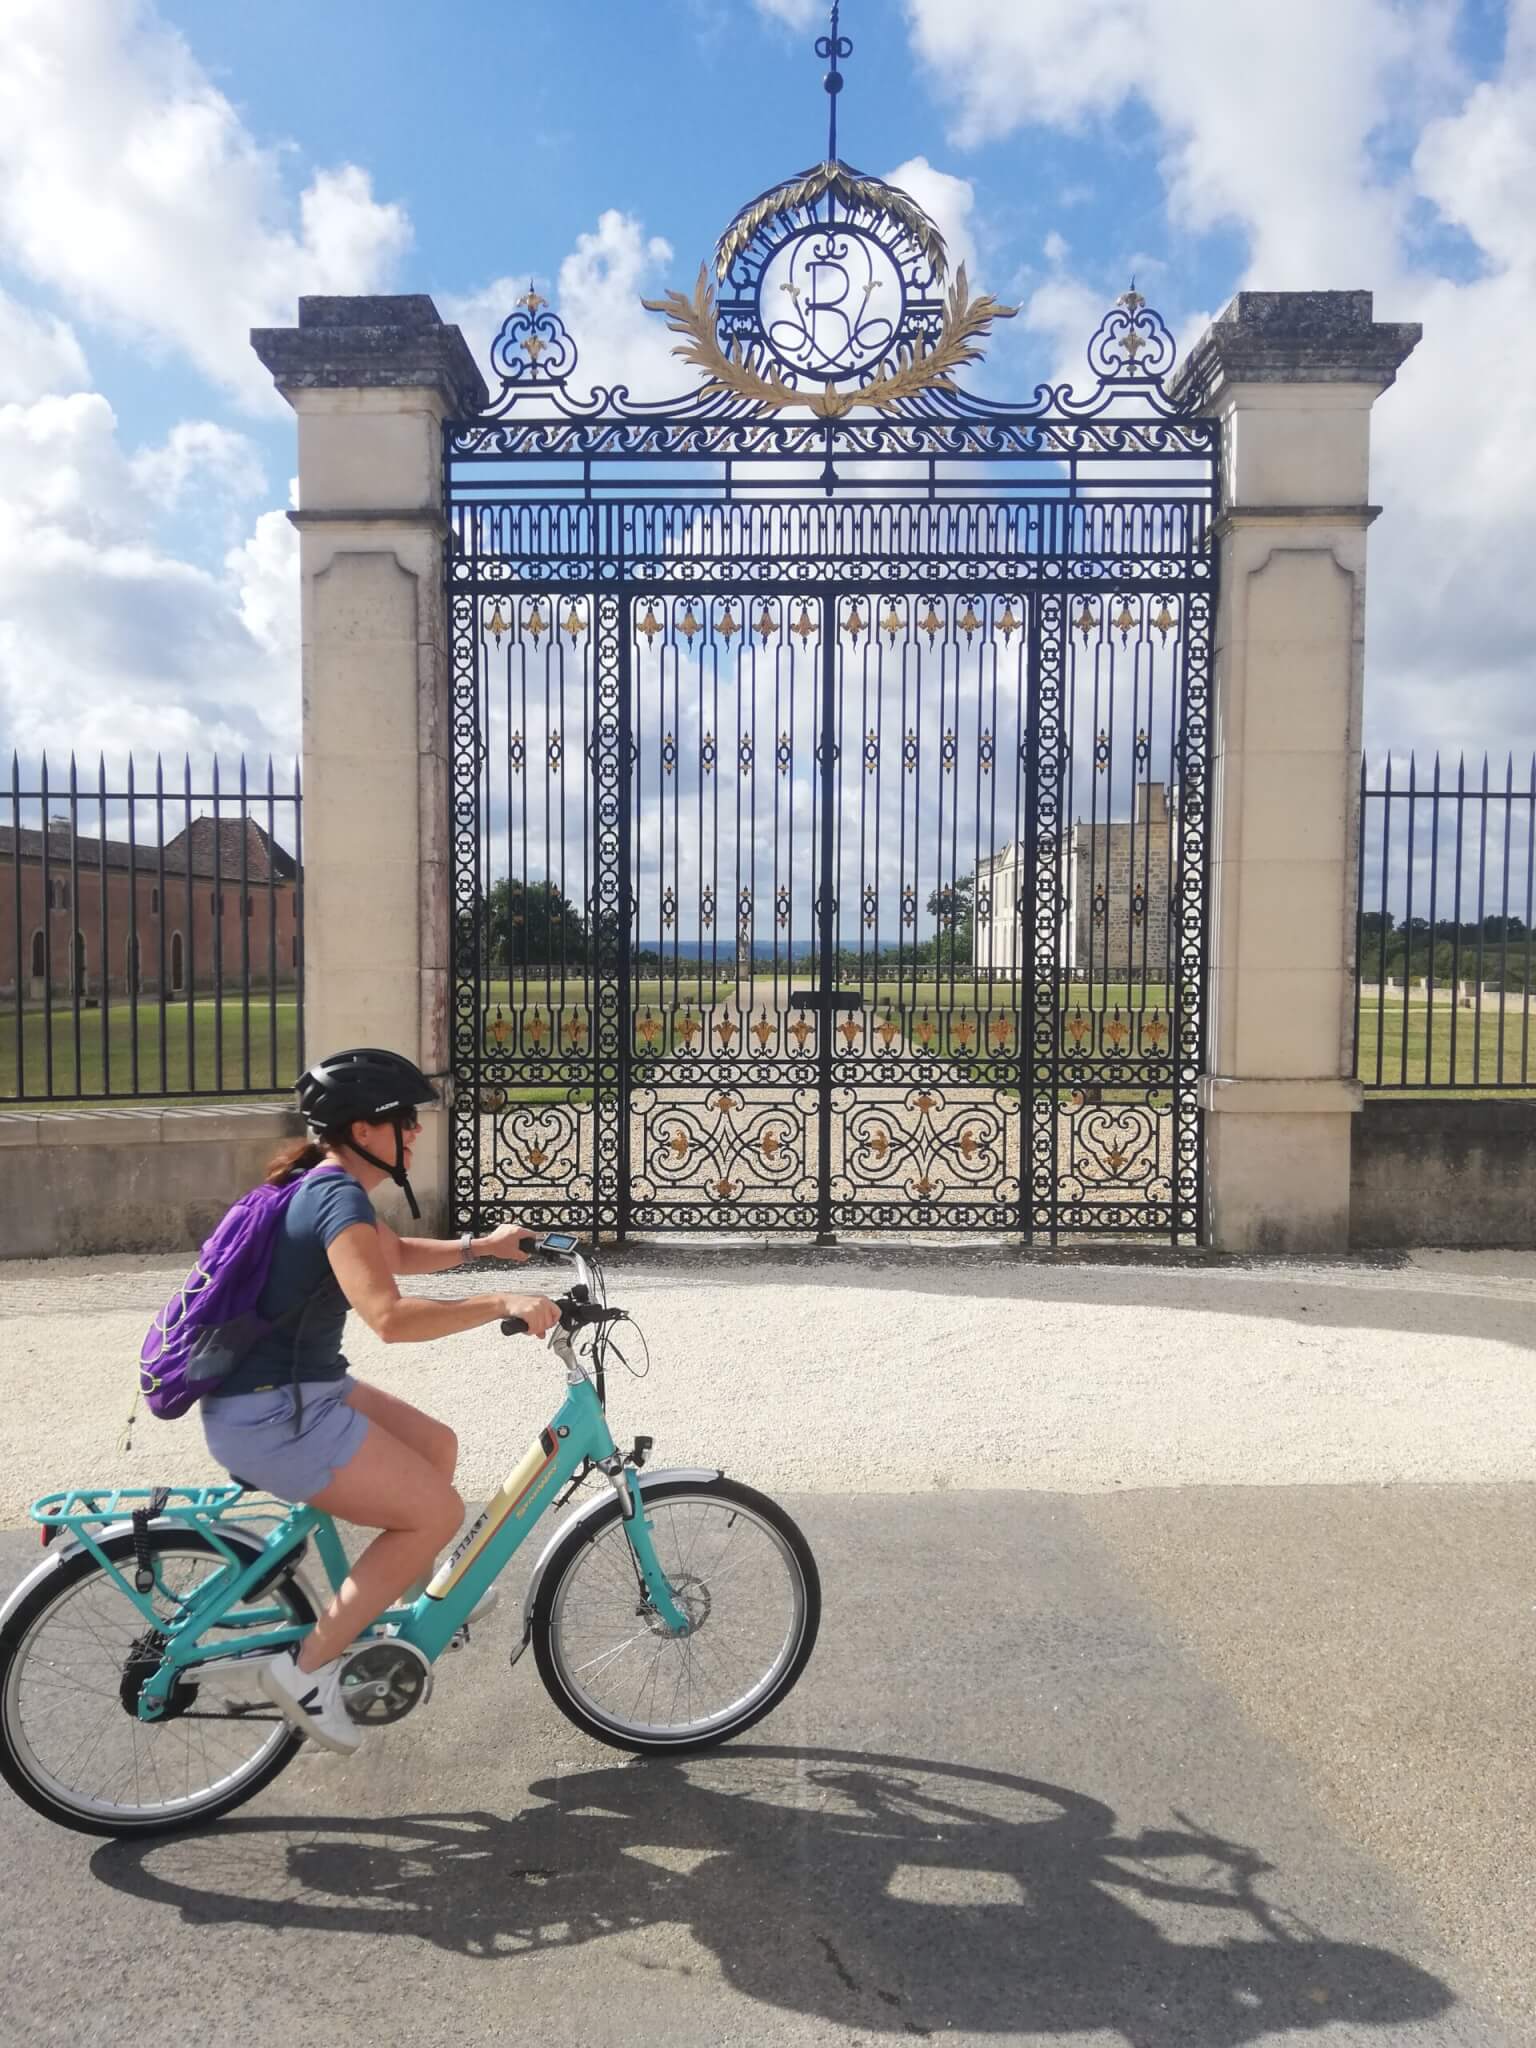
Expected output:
(60, 1554)
(593, 1507)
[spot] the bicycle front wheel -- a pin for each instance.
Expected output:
(742, 1572)
(72, 1661)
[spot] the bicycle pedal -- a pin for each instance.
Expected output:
(459, 1640)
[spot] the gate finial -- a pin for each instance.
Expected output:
(833, 47)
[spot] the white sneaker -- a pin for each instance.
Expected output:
(311, 1700)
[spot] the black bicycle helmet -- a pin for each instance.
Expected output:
(366, 1085)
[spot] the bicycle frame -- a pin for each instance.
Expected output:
(577, 1432)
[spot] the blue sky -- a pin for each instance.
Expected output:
(171, 174)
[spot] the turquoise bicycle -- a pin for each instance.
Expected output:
(674, 1610)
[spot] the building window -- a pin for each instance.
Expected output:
(58, 895)
(176, 964)
(216, 901)
(39, 956)
(154, 901)
(133, 963)
(80, 962)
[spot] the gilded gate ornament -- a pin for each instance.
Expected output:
(747, 372)
(750, 724)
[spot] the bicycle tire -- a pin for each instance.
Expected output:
(19, 1766)
(646, 1739)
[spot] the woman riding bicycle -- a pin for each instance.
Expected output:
(291, 1420)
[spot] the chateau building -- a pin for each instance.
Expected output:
(1114, 924)
(194, 911)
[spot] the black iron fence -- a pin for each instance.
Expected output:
(151, 934)
(1445, 948)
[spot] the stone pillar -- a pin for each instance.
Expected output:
(1292, 377)
(372, 380)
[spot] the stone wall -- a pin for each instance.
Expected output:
(1119, 893)
(128, 1180)
(1443, 1171)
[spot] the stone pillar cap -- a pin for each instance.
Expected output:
(376, 343)
(1297, 338)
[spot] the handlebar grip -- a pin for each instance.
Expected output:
(513, 1326)
(527, 1244)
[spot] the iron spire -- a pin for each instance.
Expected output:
(833, 48)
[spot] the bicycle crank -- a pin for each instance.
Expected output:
(384, 1681)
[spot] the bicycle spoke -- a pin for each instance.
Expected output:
(74, 1730)
(734, 1578)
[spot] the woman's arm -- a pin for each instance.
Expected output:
(358, 1260)
(443, 1254)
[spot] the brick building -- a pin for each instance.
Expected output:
(205, 904)
(1115, 916)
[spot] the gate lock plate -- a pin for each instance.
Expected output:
(825, 999)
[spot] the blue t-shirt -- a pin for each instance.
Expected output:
(328, 1203)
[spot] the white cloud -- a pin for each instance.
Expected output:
(108, 638)
(597, 294)
(949, 203)
(200, 456)
(1273, 122)
(1266, 114)
(130, 187)
(39, 354)
(796, 13)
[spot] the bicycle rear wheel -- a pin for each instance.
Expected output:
(741, 1570)
(72, 1659)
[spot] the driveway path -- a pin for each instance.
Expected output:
(1173, 1687)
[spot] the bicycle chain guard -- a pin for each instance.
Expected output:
(384, 1681)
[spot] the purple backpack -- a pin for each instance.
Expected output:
(210, 1323)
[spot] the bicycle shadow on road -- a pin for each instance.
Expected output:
(882, 1892)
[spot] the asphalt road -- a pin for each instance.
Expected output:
(1113, 1770)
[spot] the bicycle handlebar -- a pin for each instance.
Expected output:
(575, 1314)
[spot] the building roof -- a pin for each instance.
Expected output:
(213, 859)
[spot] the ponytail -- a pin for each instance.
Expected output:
(300, 1154)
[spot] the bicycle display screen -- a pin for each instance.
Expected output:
(559, 1241)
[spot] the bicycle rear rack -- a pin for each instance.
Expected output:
(79, 1506)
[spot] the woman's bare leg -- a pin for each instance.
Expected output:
(421, 1433)
(387, 1486)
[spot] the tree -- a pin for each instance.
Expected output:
(533, 925)
(954, 914)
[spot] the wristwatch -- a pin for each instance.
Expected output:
(466, 1248)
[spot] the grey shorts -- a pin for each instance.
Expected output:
(252, 1437)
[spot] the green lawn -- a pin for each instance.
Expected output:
(955, 1024)
(107, 1076)
(1428, 1040)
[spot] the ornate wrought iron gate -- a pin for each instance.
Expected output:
(830, 764)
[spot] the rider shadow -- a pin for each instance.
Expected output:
(881, 1892)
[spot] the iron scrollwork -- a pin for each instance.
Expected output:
(829, 614)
